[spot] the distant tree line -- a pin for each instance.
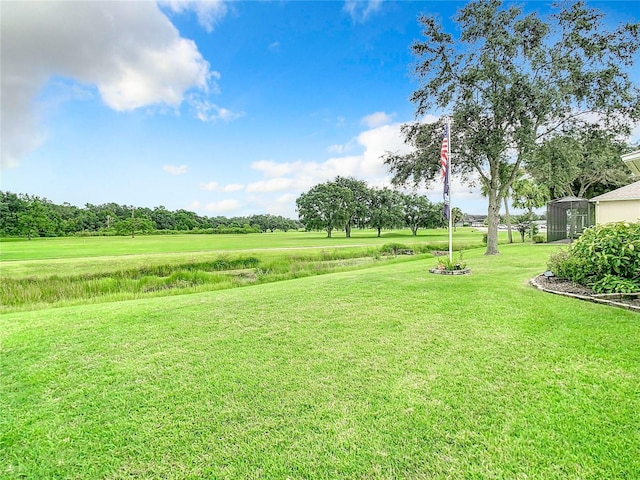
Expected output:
(33, 216)
(345, 203)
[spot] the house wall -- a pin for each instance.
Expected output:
(618, 211)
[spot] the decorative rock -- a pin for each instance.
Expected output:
(437, 271)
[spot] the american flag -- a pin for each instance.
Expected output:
(444, 159)
(444, 167)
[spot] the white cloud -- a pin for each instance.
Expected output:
(338, 149)
(459, 191)
(299, 176)
(210, 112)
(20, 130)
(272, 169)
(223, 207)
(209, 12)
(377, 119)
(286, 198)
(129, 51)
(275, 205)
(211, 186)
(377, 142)
(175, 170)
(283, 205)
(272, 185)
(215, 187)
(289, 179)
(360, 10)
(283, 182)
(233, 187)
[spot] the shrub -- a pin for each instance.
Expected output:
(526, 227)
(539, 238)
(444, 263)
(614, 284)
(601, 252)
(564, 265)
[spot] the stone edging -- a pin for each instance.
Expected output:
(588, 298)
(437, 271)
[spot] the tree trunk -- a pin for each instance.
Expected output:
(414, 230)
(531, 223)
(507, 217)
(492, 219)
(329, 232)
(379, 230)
(347, 230)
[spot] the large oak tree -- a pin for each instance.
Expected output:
(509, 80)
(385, 209)
(583, 163)
(325, 206)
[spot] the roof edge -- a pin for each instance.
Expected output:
(632, 160)
(628, 157)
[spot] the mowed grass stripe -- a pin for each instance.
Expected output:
(74, 247)
(382, 373)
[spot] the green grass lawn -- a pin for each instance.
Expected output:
(71, 271)
(74, 247)
(386, 372)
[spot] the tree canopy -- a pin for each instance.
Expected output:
(583, 163)
(510, 80)
(528, 195)
(33, 216)
(386, 209)
(326, 206)
(345, 202)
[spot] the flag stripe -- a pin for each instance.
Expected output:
(444, 167)
(444, 154)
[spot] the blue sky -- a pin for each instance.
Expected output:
(223, 108)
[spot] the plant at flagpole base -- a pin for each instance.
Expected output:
(450, 266)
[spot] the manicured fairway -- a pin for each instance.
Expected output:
(72, 256)
(387, 372)
(76, 271)
(74, 247)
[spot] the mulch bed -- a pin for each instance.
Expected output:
(571, 289)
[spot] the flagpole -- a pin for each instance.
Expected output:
(449, 190)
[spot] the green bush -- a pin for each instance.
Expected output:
(444, 263)
(615, 284)
(565, 265)
(601, 253)
(539, 238)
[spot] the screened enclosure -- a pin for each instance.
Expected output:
(567, 217)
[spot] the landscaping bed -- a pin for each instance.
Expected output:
(568, 288)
